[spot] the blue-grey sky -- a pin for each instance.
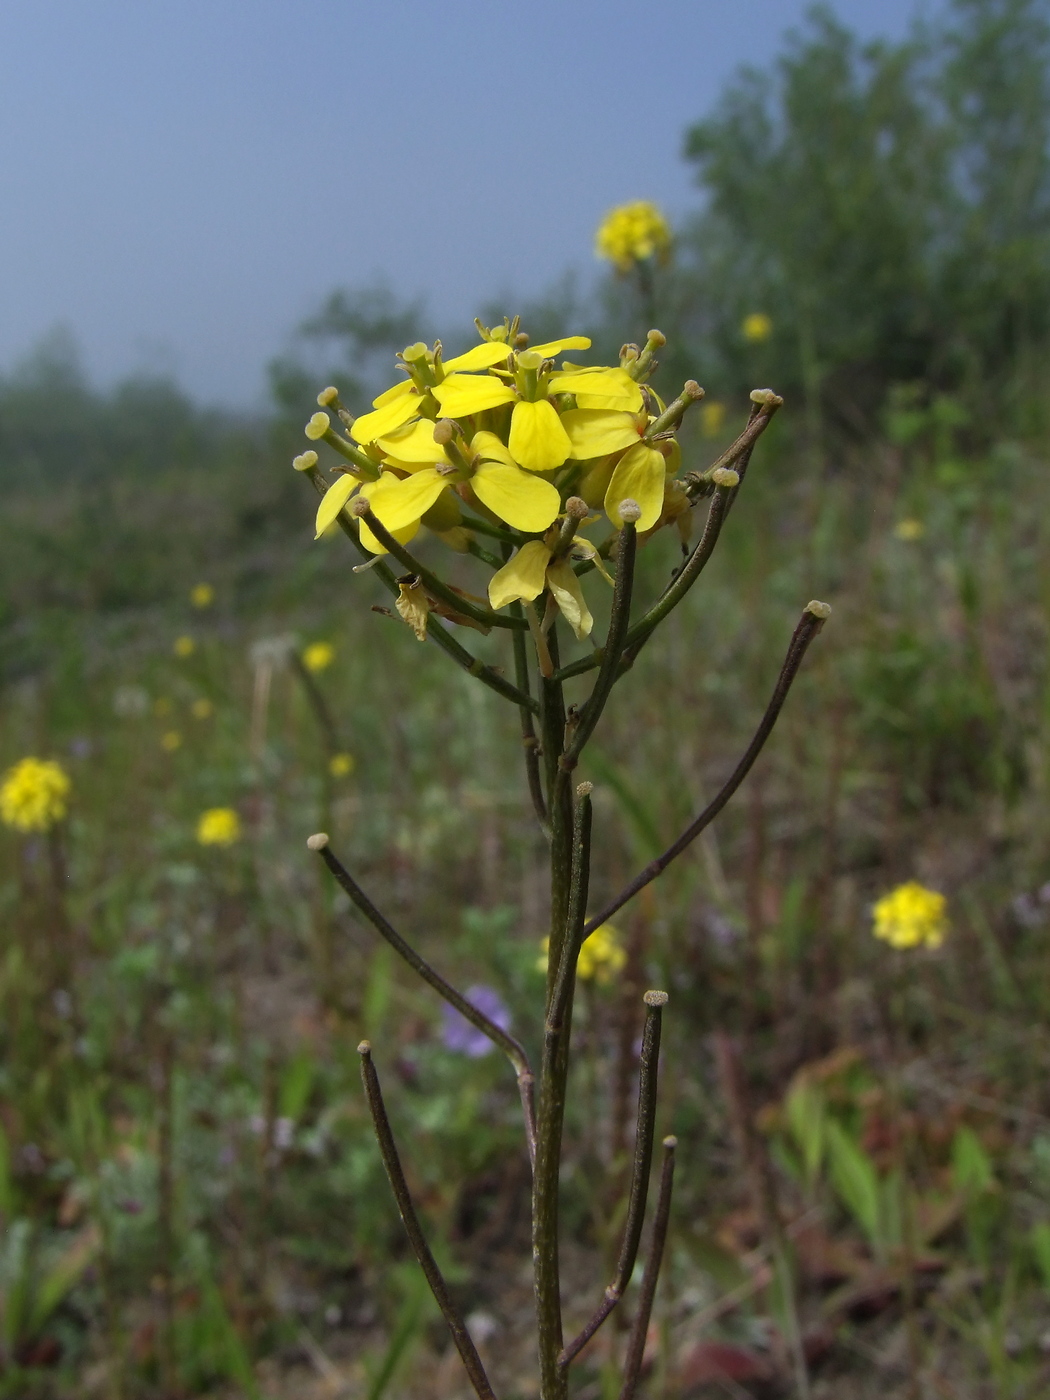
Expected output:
(183, 182)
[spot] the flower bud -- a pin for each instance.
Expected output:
(630, 511)
(318, 841)
(822, 611)
(577, 507)
(584, 789)
(655, 338)
(655, 998)
(765, 397)
(414, 352)
(328, 396)
(318, 426)
(692, 390)
(444, 431)
(725, 476)
(305, 461)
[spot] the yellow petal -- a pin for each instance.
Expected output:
(555, 347)
(400, 502)
(568, 594)
(527, 502)
(637, 476)
(627, 404)
(583, 549)
(603, 385)
(398, 391)
(332, 502)
(488, 447)
(374, 491)
(411, 604)
(384, 420)
(412, 443)
(463, 394)
(538, 441)
(521, 578)
(483, 356)
(596, 432)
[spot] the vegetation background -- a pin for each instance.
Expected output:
(192, 1202)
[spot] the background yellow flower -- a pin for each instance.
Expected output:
(632, 233)
(318, 656)
(218, 826)
(911, 916)
(33, 795)
(202, 595)
(757, 327)
(341, 765)
(184, 646)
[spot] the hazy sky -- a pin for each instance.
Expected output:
(183, 182)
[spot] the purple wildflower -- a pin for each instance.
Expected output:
(459, 1035)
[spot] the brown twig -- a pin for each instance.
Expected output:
(392, 1162)
(632, 1365)
(809, 625)
(643, 1157)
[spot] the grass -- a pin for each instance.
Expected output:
(193, 1202)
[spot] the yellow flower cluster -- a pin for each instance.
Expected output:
(602, 956)
(218, 826)
(632, 233)
(34, 795)
(911, 916)
(505, 432)
(318, 656)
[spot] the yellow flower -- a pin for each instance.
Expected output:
(533, 568)
(202, 708)
(712, 418)
(171, 741)
(909, 529)
(631, 233)
(202, 595)
(218, 826)
(318, 656)
(184, 646)
(601, 957)
(756, 327)
(911, 916)
(341, 765)
(33, 795)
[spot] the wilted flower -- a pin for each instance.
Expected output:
(34, 795)
(909, 529)
(458, 1033)
(757, 327)
(202, 595)
(631, 233)
(318, 656)
(218, 826)
(910, 916)
(184, 646)
(341, 765)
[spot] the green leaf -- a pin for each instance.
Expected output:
(856, 1180)
(806, 1115)
(972, 1170)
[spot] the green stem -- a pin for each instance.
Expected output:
(529, 741)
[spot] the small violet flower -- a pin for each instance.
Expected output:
(459, 1035)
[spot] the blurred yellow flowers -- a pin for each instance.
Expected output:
(911, 916)
(184, 646)
(341, 765)
(602, 956)
(712, 417)
(631, 233)
(202, 595)
(218, 826)
(202, 708)
(909, 529)
(33, 795)
(318, 656)
(171, 741)
(757, 327)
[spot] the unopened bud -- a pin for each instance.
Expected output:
(521, 340)
(819, 610)
(577, 507)
(630, 511)
(328, 396)
(318, 841)
(305, 461)
(584, 789)
(318, 426)
(692, 390)
(670, 1141)
(656, 338)
(766, 397)
(725, 476)
(359, 506)
(444, 431)
(655, 998)
(364, 1047)
(414, 352)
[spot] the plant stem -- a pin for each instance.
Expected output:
(643, 1158)
(530, 743)
(738, 453)
(632, 1365)
(462, 1338)
(514, 1051)
(808, 627)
